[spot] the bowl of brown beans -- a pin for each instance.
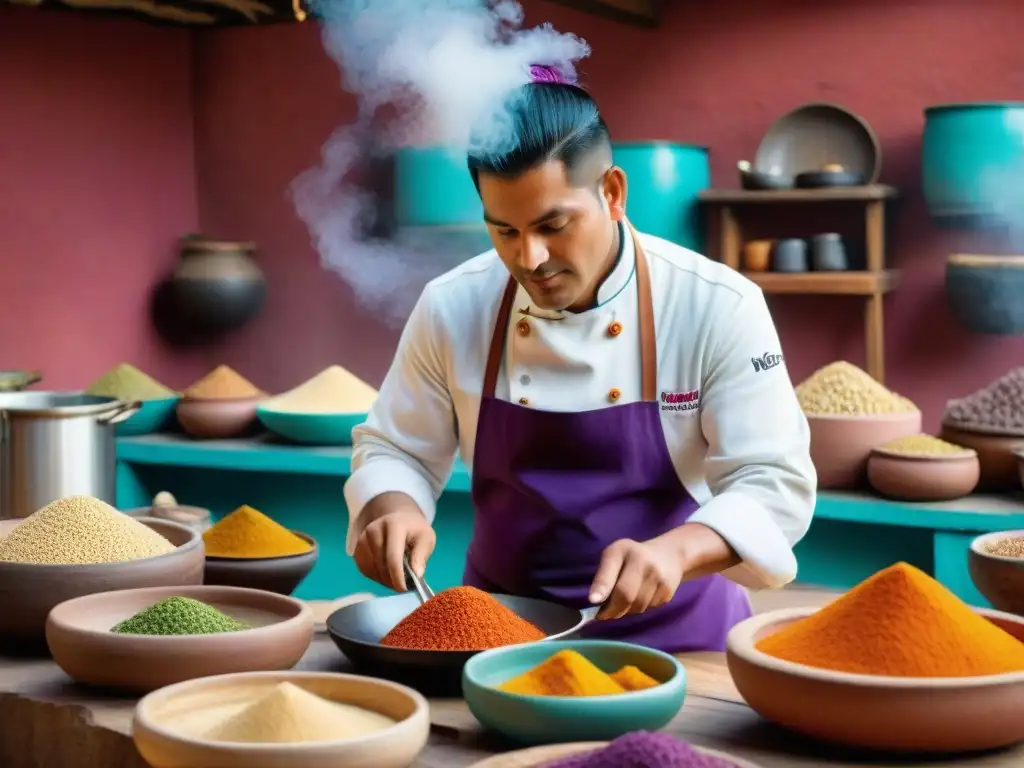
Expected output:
(996, 564)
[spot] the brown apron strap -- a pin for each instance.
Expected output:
(648, 342)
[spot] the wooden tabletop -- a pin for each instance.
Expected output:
(46, 721)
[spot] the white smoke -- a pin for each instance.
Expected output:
(436, 69)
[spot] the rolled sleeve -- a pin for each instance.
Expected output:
(408, 441)
(758, 464)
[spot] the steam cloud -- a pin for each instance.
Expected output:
(441, 71)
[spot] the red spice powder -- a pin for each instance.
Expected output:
(461, 619)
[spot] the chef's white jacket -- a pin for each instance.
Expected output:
(737, 436)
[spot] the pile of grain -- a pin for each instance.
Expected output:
(222, 383)
(333, 390)
(1011, 546)
(922, 445)
(179, 616)
(80, 530)
(997, 408)
(126, 382)
(290, 714)
(843, 389)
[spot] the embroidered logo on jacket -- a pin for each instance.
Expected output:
(680, 401)
(766, 361)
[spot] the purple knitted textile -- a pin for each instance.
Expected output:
(545, 73)
(642, 749)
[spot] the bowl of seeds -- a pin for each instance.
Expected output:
(220, 405)
(991, 421)
(923, 468)
(139, 640)
(80, 545)
(996, 564)
(850, 414)
(127, 383)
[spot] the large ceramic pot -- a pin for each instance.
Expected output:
(216, 287)
(985, 293)
(972, 157)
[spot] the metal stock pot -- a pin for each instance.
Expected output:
(57, 444)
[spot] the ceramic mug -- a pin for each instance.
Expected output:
(828, 254)
(790, 255)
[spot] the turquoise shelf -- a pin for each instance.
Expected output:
(853, 534)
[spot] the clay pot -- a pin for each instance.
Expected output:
(998, 464)
(840, 445)
(1000, 579)
(217, 419)
(923, 478)
(757, 255)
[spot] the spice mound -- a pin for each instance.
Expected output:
(290, 714)
(333, 390)
(126, 382)
(179, 616)
(643, 749)
(80, 530)
(996, 408)
(461, 619)
(248, 533)
(922, 446)
(569, 673)
(1011, 546)
(843, 389)
(899, 622)
(222, 383)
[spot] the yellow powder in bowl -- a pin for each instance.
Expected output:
(922, 445)
(291, 714)
(247, 533)
(333, 390)
(222, 383)
(126, 382)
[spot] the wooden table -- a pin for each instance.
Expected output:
(48, 722)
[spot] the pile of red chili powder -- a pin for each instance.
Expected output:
(461, 619)
(643, 749)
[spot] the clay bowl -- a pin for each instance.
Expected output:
(999, 579)
(897, 714)
(169, 723)
(911, 477)
(217, 419)
(999, 465)
(537, 757)
(273, 574)
(28, 592)
(841, 445)
(81, 643)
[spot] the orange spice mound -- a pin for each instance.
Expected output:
(900, 622)
(222, 383)
(461, 619)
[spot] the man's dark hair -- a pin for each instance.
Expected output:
(547, 121)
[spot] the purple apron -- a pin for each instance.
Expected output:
(552, 490)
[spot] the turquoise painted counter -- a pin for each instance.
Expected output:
(853, 535)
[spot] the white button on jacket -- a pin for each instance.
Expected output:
(737, 436)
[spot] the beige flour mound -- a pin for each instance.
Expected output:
(80, 530)
(333, 390)
(290, 714)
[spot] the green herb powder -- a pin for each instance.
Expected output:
(179, 616)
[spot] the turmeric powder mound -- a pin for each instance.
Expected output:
(567, 673)
(248, 533)
(899, 622)
(633, 679)
(222, 383)
(461, 619)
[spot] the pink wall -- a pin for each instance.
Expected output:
(96, 182)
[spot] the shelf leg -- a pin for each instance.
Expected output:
(874, 336)
(875, 234)
(730, 238)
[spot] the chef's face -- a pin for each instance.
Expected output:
(557, 238)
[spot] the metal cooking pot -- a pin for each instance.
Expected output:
(57, 444)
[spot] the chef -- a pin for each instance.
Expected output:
(632, 431)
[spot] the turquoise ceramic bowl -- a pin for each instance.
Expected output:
(153, 416)
(311, 428)
(558, 719)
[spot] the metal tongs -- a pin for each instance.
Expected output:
(423, 591)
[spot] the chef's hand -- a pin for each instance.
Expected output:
(395, 526)
(634, 577)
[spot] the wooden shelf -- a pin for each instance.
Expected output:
(872, 192)
(835, 283)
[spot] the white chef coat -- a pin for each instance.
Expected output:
(734, 429)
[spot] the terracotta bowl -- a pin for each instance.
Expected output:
(169, 723)
(217, 419)
(537, 757)
(900, 714)
(999, 579)
(28, 592)
(840, 445)
(1018, 452)
(273, 574)
(999, 466)
(922, 477)
(79, 637)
